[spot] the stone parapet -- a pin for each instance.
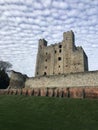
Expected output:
(80, 79)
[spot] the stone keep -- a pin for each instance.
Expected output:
(61, 58)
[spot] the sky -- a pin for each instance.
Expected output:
(24, 22)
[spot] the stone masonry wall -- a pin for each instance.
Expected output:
(17, 80)
(61, 58)
(81, 79)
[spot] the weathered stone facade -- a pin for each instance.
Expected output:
(80, 79)
(17, 80)
(61, 71)
(61, 58)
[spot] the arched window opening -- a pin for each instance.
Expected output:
(55, 51)
(60, 46)
(60, 50)
(45, 73)
(59, 58)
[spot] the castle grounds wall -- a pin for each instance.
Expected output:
(81, 79)
(72, 92)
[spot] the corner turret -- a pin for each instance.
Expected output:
(68, 40)
(42, 43)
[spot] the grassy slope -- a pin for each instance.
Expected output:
(44, 113)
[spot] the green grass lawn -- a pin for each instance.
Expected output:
(44, 113)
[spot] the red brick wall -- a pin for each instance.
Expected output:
(81, 92)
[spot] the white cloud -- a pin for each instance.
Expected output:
(37, 5)
(23, 22)
(73, 12)
(59, 4)
(12, 1)
(46, 3)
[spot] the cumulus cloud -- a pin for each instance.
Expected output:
(24, 22)
(46, 3)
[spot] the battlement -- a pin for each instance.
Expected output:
(61, 58)
(42, 42)
(68, 36)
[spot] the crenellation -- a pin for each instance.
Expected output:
(42, 42)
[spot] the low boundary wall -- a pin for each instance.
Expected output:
(80, 92)
(87, 79)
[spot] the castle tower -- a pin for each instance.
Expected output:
(61, 58)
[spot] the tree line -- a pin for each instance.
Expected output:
(4, 78)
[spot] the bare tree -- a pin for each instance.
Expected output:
(4, 78)
(4, 65)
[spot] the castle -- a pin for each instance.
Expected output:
(61, 70)
(61, 58)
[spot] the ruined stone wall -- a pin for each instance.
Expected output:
(17, 80)
(87, 79)
(60, 58)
